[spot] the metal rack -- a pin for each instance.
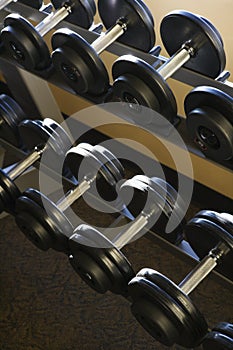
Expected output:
(25, 86)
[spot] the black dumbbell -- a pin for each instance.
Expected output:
(41, 136)
(202, 238)
(43, 221)
(193, 43)
(25, 42)
(163, 308)
(209, 113)
(32, 3)
(220, 338)
(11, 114)
(128, 21)
(98, 260)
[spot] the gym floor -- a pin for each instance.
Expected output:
(44, 305)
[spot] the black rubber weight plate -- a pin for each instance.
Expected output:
(11, 115)
(163, 317)
(206, 96)
(78, 63)
(24, 43)
(140, 29)
(82, 12)
(195, 322)
(179, 27)
(204, 235)
(135, 78)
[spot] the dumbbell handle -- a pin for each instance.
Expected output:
(53, 19)
(17, 170)
(4, 3)
(66, 201)
(105, 40)
(174, 63)
(134, 228)
(207, 264)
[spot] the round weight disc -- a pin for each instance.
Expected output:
(218, 218)
(161, 316)
(24, 43)
(105, 182)
(204, 235)
(78, 63)
(217, 341)
(171, 207)
(209, 120)
(9, 192)
(82, 11)
(195, 322)
(113, 163)
(59, 139)
(138, 195)
(33, 133)
(136, 82)
(106, 258)
(182, 27)
(11, 115)
(49, 227)
(32, 3)
(140, 28)
(224, 328)
(27, 220)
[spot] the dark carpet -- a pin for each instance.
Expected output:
(45, 306)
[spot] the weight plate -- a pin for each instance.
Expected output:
(82, 11)
(105, 182)
(195, 322)
(138, 20)
(107, 258)
(224, 328)
(113, 163)
(24, 43)
(11, 115)
(60, 137)
(49, 227)
(9, 192)
(33, 133)
(182, 27)
(136, 82)
(26, 218)
(171, 207)
(161, 316)
(138, 196)
(209, 120)
(217, 341)
(32, 3)
(78, 63)
(204, 235)
(222, 219)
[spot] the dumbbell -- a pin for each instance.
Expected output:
(32, 3)
(11, 114)
(193, 43)
(128, 21)
(220, 338)
(163, 308)
(44, 222)
(43, 136)
(25, 42)
(100, 261)
(209, 121)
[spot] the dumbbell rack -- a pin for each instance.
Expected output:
(25, 87)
